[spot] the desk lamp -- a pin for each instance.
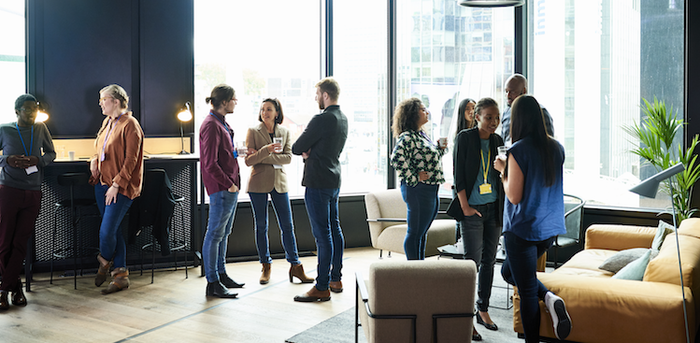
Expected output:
(184, 116)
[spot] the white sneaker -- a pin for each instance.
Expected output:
(560, 318)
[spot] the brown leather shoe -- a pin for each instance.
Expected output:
(314, 295)
(297, 270)
(266, 270)
(18, 298)
(336, 286)
(4, 304)
(102, 270)
(119, 282)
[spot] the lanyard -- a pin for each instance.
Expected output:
(223, 122)
(485, 167)
(109, 134)
(31, 143)
(422, 133)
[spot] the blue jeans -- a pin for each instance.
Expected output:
(520, 269)
(322, 207)
(112, 243)
(480, 238)
(222, 208)
(422, 204)
(280, 203)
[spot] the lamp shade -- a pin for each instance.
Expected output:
(650, 186)
(491, 3)
(186, 114)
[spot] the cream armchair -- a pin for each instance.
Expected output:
(416, 301)
(386, 216)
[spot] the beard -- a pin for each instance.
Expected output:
(321, 105)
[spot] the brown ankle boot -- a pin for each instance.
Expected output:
(265, 277)
(298, 271)
(119, 282)
(102, 270)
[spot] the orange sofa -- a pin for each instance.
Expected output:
(604, 309)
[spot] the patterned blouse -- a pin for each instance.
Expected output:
(414, 153)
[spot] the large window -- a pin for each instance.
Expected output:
(447, 53)
(11, 57)
(267, 48)
(590, 65)
(360, 66)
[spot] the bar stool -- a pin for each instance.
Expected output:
(179, 200)
(156, 189)
(74, 205)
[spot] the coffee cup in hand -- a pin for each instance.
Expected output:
(502, 150)
(278, 140)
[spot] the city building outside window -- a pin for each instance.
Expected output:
(590, 65)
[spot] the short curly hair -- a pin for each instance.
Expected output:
(406, 116)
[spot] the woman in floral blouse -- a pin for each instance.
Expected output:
(417, 160)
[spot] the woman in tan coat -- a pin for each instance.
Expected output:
(269, 148)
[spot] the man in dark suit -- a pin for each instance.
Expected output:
(320, 145)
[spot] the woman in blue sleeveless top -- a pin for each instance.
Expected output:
(533, 214)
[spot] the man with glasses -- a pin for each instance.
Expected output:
(22, 162)
(320, 145)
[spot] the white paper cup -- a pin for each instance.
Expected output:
(71, 155)
(502, 151)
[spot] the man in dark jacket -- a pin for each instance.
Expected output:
(320, 145)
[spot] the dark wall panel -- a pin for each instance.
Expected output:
(80, 47)
(76, 47)
(167, 63)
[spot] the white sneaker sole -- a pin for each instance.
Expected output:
(560, 319)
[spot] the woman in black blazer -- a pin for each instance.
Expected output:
(481, 197)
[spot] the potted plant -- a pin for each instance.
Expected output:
(656, 134)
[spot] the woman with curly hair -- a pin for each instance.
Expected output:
(417, 160)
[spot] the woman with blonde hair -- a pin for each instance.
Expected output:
(117, 173)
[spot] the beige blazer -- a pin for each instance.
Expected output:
(263, 176)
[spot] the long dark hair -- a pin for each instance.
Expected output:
(462, 122)
(527, 120)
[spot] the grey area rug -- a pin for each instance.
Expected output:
(340, 328)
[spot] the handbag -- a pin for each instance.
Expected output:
(454, 209)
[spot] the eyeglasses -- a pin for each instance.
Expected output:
(104, 99)
(28, 110)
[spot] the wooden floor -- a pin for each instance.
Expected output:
(175, 309)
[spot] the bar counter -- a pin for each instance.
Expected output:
(182, 171)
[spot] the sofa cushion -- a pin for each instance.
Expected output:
(618, 261)
(690, 227)
(635, 269)
(661, 232)
(586, 262)
(664, 268)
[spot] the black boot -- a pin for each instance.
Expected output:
(228, 282)
(216, 289)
